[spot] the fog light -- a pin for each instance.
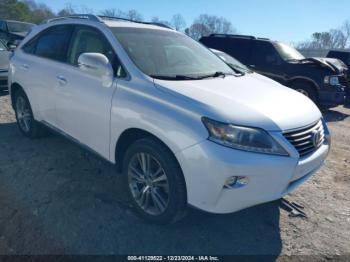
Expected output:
(236, 182)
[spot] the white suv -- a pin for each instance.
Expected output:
(182, 126)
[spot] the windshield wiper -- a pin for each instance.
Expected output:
(187, 77)
(175, 77)
(216, 74)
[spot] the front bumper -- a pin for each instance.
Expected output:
(332, 97)
(3, 80)
(206, 167)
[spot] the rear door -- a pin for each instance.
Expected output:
(83, 104)
(42, 60)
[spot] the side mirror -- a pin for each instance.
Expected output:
(98, 65)
(12, 44)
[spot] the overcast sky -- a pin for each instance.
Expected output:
(285, 20)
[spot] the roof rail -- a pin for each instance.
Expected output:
(104, 17)
(237, 36)
(263, 38)
(75, 16)
(100, 18)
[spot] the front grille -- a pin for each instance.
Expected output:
(308, 139)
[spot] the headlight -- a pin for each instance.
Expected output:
(331, 80)
(242, 138)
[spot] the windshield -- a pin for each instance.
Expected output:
(288, 53)
(16, 27)
(233, 62)
(160, 53)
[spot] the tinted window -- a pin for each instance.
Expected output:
(18, 27)
(3, 26)
(53, 44)
(344, 56)
(2, 47)
(90, 40)
(236, 47)
(264, 54)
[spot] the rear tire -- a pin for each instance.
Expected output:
(306, 90)
(28, 126)
(154, 182)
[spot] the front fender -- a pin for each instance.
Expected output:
(147, 108)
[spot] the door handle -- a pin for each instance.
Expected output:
(25, 66)
(62, 80)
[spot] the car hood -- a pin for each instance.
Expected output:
(4, 60)
(250, 100)
(333, 64)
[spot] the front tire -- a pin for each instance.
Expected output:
(154, 182)
(28, 126)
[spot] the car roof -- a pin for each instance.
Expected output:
(109, 21)
(240, 37)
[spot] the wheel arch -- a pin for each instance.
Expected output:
(128, 137)
(303, 80)
(14, 88)
(306, 81)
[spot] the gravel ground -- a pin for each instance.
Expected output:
(57, 199)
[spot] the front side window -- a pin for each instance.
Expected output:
(90, 40)
(52, 44)
(160, 53)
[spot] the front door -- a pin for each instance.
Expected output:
(83, 104)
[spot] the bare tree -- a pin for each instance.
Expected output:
(178, 22)
(134, 15)
(209, 24)
(333, 39)
(157, 20)
(67, 10)
(113, 12)
(131, 14)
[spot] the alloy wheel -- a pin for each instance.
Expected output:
(148, 183)
(24, 115)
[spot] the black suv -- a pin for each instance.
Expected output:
(10, 31)
(322, 80)
(345, 57)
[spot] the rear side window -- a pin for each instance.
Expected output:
(52, 44)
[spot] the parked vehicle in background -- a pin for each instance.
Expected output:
(232, 62)
(345, 57)
(341, 55)
(4, 65)
(10, 30)
(181, 125)
(322, 81)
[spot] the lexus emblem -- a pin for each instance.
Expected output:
(315, 137)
